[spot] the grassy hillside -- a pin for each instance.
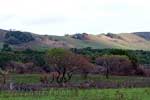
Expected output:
(23, 40)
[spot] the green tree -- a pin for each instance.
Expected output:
(6, 47)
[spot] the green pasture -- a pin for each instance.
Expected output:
(35, 78)
(79, 94)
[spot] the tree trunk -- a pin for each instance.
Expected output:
(107, 73)
(4, 79)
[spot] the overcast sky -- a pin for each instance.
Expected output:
(59, 17)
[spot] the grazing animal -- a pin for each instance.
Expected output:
(4, 75)
(52, 76)
(55, 75)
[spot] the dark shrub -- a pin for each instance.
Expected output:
(17, 37)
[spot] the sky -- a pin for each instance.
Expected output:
(59, 17)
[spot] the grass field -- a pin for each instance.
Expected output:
(35, 78)
(80, 94)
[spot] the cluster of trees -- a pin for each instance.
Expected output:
(63, 62)
(118, 65)
(143, 57)
(17, 37)
(60, 64)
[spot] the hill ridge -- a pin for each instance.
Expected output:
(24, 40)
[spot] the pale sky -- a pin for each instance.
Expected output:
(58, 17)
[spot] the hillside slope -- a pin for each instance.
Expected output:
(23, 40)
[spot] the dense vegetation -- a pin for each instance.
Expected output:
(17, 37)
(143, 57)
(59, 65)
(41, 61)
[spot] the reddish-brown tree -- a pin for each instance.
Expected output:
(115, 64)
(65, 63)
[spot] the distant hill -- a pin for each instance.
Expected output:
(145, 35)
(23, 40)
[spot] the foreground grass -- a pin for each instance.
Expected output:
(80, 94)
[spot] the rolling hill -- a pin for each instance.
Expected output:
(23, 40)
